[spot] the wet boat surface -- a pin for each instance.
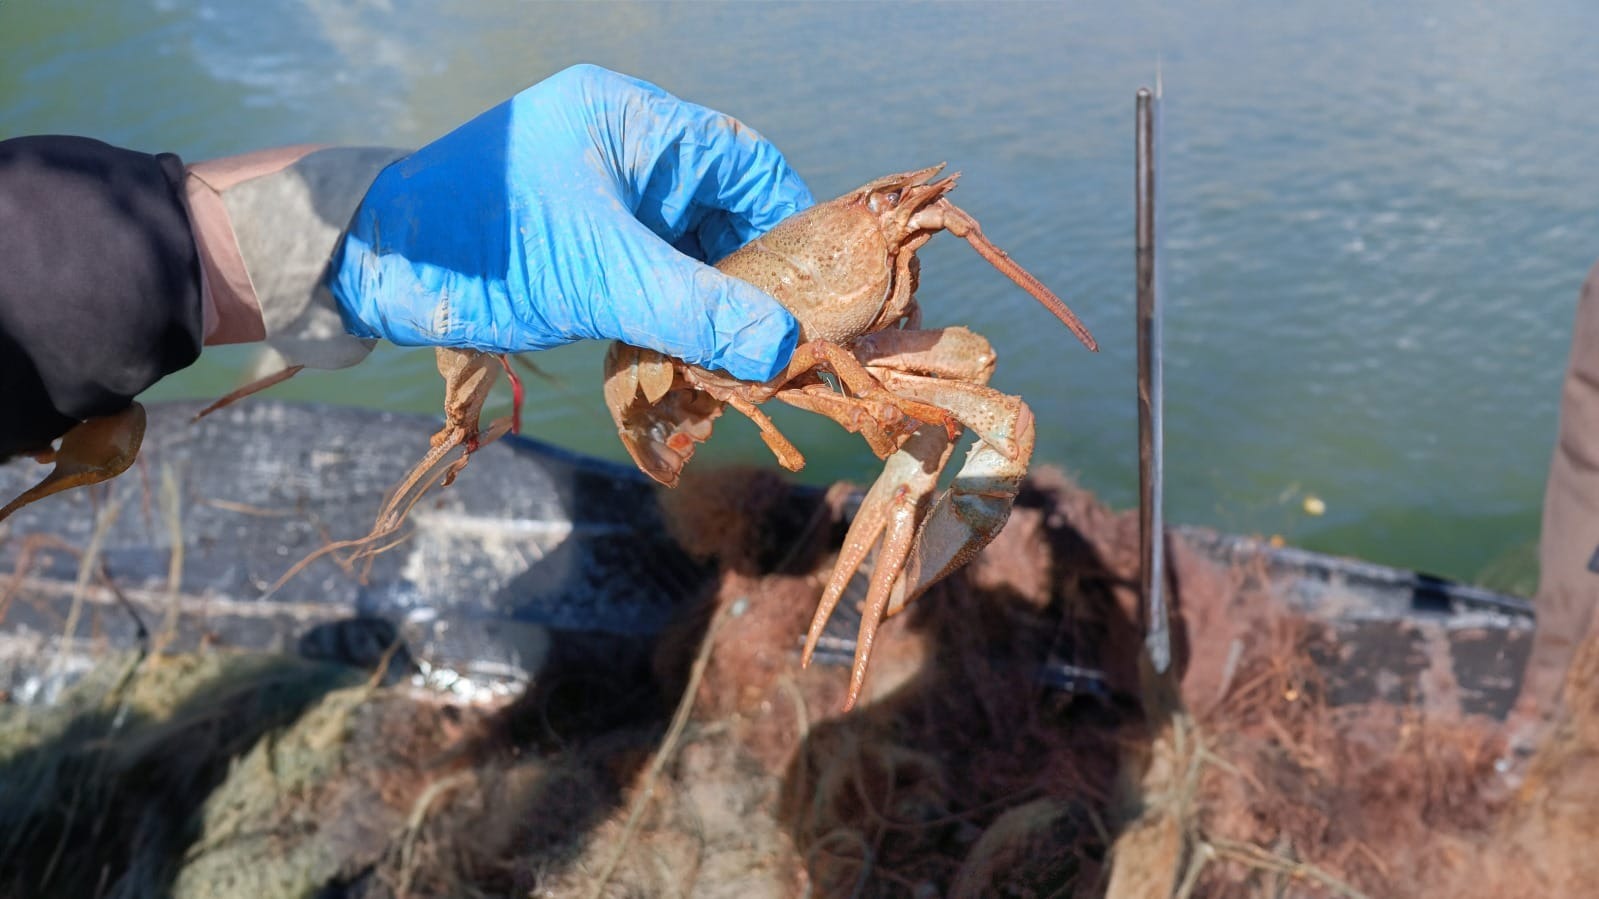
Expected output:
(535, 547)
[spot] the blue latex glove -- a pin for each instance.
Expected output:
(583, 207)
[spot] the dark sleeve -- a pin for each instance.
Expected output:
(99, 282)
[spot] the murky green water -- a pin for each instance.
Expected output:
(1378, 215)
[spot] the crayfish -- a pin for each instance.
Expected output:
(847, 270)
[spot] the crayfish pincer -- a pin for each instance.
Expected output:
(847, 270)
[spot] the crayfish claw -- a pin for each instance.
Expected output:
(93, 451)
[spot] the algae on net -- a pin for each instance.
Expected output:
(106, 793)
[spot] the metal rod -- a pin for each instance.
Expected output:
(1151, 524)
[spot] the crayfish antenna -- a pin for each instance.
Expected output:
(957, 221)
(250, 389)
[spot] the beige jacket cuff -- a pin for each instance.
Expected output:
(266, 225)
(232, 307)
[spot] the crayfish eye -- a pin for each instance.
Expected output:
(879, 202)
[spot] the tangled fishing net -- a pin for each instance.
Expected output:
(711, 764)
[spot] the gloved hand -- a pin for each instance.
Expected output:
(583, 207)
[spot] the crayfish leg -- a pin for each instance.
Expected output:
(787, 454)
(888, 520)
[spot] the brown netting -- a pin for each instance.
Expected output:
(728, 771)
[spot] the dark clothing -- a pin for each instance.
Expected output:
(99, 282)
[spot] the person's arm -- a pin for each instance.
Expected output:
(121, 265)
(585, 207)
(99, 283)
